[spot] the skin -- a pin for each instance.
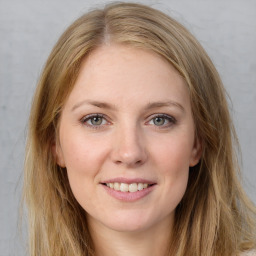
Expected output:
(128, 142)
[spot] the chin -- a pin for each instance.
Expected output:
(127, 226)
(131, 222)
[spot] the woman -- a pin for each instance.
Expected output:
(131, 147)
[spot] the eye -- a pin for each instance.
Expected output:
(159, 121)
(162, 120)
(94, 121)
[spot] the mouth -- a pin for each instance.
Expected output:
(128, 187)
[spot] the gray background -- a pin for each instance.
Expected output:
(28, 31)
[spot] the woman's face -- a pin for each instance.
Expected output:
(127, 139)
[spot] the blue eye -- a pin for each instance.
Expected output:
(159, 121)
(162, 120)
(94, 120)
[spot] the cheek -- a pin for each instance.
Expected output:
(82, 154)
(83, 160)
(175, 173)
(173, 154)
(172, 163)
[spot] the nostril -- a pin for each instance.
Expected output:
(128, 155)
(135, 163)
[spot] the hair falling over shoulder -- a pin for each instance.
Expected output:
(215, 217)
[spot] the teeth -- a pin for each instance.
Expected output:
(124, 187)
(116, 186)
(133, 187)
(140, 186)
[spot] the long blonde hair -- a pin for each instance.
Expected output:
(215, 217)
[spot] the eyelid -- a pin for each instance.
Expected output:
(172, 120)
(85, 118)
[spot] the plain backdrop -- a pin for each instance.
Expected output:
(30, 28)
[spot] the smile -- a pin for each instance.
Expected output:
(125, 187)
(128, 190)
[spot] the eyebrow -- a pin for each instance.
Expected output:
(149, 106)
(165, 104)
(94, 103)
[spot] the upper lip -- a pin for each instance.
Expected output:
(128, 180)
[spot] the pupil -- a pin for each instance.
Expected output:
(96, 120)
(159, 121)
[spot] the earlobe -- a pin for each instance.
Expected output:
(196, 153)
(58, 155)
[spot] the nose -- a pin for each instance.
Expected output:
(129, 148)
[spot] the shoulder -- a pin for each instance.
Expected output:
(249, 253)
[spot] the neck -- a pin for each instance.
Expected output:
(154, 241)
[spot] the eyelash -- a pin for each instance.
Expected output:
(171, 121)
(87, 118)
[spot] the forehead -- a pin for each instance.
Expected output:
(126, 74)
(117, 58)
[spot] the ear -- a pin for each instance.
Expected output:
(196, 152)
(58, 155)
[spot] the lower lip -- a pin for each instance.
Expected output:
(129, 196)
